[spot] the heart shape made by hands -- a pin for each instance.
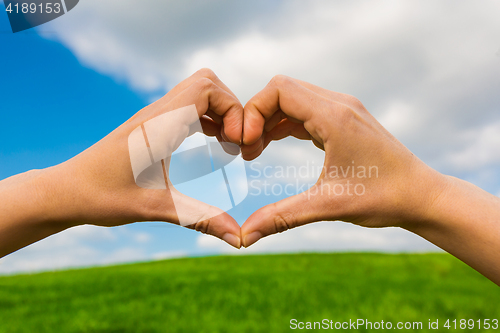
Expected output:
(152, 146)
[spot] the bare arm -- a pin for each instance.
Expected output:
(465, 221)
(26, 210)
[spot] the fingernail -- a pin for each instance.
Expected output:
(251, 238)
(232, 240)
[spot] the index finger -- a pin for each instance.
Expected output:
(200, 74)
(282, 93)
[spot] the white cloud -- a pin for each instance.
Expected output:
(401, 119)
(142, 237)
(249, 62)
(76, 247)
(146, 45)
(169, 255)
(123, 255)
(328, 236)
(481, 148)
(212, 243)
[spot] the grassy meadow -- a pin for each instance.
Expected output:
(248, 294)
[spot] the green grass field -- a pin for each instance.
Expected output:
(248, 294)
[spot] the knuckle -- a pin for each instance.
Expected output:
(353, 102)
(206, 73)
(283, 222)
(204, 83)
(280, 80)
(349, 119)
(345, 114)
(202, 226)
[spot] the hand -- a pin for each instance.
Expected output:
(389, 186)
(97, 186)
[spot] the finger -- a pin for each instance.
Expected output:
(274, 120)
(287, 128)
(254, 150)
(207, 219)
(235, 129)
(283, 215)
(248, 149)
(231, 111)
(172, 206)
(284, 94)
(210, 98)
(210, 127)
(333, 95)
(226, 144)
(234, 121)
(284, 129)
(200, 74)
(222, 226)
(209, 74)
(215, 117)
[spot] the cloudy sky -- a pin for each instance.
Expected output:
(428, 71)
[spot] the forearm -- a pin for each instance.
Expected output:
(25, 206)
(465, 221)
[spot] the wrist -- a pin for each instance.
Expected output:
(436, 200)
(450, 204)
(426, 193)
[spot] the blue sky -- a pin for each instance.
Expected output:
(52, 106)
(430, 76)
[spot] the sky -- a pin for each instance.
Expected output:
(428, 71)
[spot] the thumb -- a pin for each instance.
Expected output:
(207, 219)
(283, 215)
